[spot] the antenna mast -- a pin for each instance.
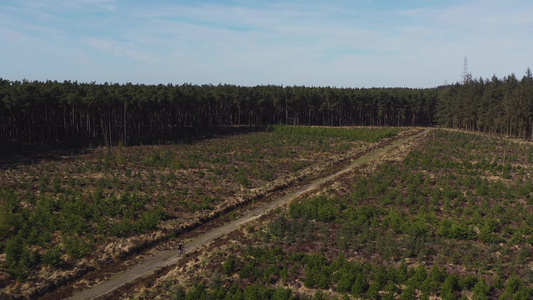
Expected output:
(466, 75)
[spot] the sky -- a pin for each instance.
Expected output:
(338, 43)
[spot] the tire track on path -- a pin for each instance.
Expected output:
(169, 257)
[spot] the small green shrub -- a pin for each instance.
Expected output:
(53, 258)
(230, 264)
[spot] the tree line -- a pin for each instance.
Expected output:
(107, 114)
(496, 106)
(43, 113)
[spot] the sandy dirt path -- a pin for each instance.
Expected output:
(169, 257)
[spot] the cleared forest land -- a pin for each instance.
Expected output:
(61, 218)
(450, 218)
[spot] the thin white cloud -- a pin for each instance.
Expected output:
(343, 43)
(495, 35)
(69, 5)
(119, 48)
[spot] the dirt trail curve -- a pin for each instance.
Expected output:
(169, 257)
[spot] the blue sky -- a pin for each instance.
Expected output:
(358, 43)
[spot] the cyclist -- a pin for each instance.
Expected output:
(181, 248)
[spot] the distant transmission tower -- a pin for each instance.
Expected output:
(466, 75)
